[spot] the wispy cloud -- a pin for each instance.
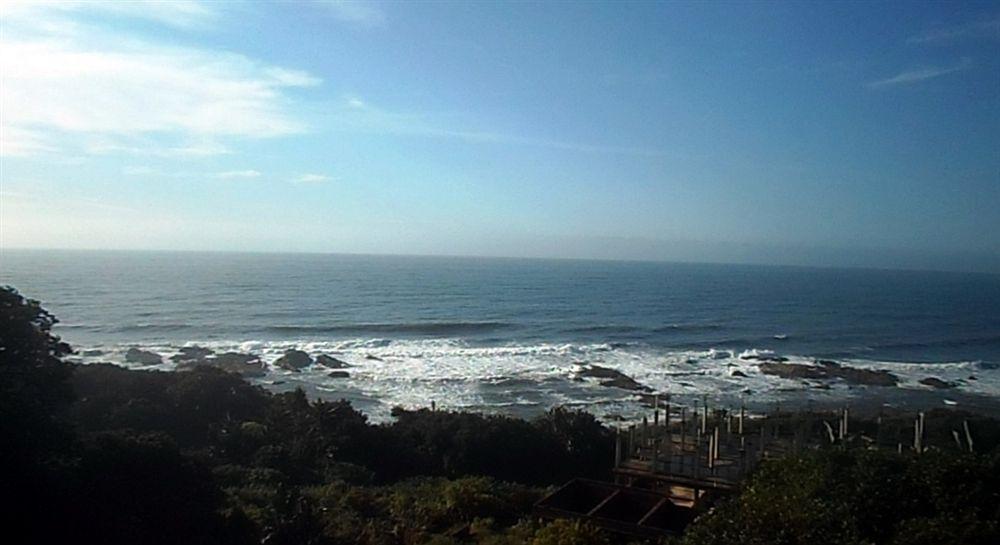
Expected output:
(311, 178)
(174, 13)
(356, 114)
(142, 146)
(18, 141)
(361, 12)
(977, 29)
(118, 95)
(920, 74)
(237, 174)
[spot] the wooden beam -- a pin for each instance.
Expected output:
(651, 511)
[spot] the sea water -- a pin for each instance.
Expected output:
(509, 335)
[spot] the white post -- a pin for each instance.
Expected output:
(968, 434)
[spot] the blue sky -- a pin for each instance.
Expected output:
(797, 133)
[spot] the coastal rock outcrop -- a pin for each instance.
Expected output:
(612, 378)
(338, 374)
(145, 357)
(826, 369)
(191, 353)
(294, 360)
(332, 362)
(935, 382)
(247, 365)
(764, 358)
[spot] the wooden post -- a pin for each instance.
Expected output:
(704, 417)
(711, 448)
(921, 420)
(715, 454)
(968, 434)
(631, 441)
(618, 446)
(958, 440)
(656, 454)
(644, 436)
(829, 431)
(683, 435)
(743, 411)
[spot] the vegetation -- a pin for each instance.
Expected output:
(862, 496)
(101, 454)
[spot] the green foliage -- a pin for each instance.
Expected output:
(101, 454)
(34, 382)
(123, 487)
(861, 496)
(552, 449)
(567, 532)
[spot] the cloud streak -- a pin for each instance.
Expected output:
(237, 174)
(360, 12)
(921, 74)
(311, 178)
(81, 89)
(978, 29)
(358, 115)
(185, 14)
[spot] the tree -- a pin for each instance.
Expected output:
(34, 384)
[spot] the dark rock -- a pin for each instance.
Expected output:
(765, 358)
(91, 353)
(191, 353)
(339, 374)
(332, 362)
(235, 358)
(972, 377)
(371, 357)
(867, 377)
(612, 378)
(247, 365)
(738, 373)
(293, 360)
(935, 382)
(793, 370)
(134, 355)
(829, 370)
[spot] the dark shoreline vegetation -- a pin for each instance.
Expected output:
(101, 454)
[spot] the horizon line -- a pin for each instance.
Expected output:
(504, 258)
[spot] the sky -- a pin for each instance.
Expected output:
(828, 134)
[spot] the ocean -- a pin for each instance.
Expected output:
(509, 335)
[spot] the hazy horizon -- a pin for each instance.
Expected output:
(821, 135)
(762, 262)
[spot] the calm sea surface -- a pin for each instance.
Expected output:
(505, 334)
